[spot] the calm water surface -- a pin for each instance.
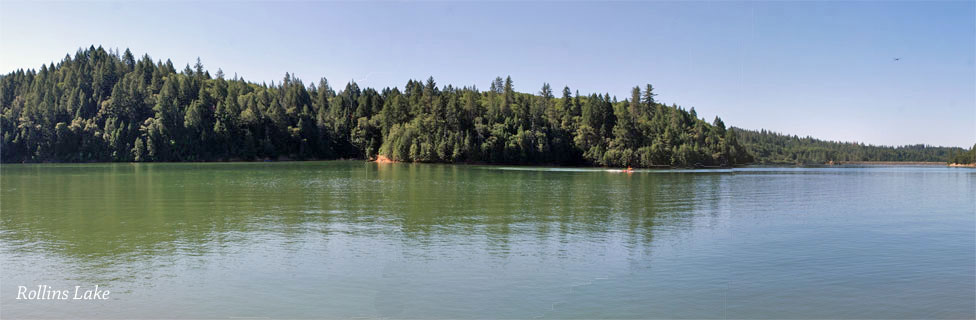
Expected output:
(347, 239)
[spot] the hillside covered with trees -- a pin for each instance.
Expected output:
(775, 148)
(100, 105)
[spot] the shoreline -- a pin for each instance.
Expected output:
(889, 163)
(387, 160)
(383, 159)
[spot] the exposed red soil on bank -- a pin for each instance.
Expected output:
(383, 159)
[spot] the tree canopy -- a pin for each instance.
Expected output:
(775, 148)
(100, 105)
(103, 105)
(964, 157)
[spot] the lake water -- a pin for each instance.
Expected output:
(343, 239)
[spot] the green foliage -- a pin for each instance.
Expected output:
(775, 148)
(967, 157)
(102, 105)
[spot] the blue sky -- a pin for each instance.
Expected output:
(821, 68)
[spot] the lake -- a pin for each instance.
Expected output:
(341, 239)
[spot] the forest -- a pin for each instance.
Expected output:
(964, 157)
(775, 148)
(104, 105)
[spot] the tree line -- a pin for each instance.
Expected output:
(964, 157)
(775, 148)
(103, 105)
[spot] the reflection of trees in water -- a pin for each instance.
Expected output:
(131, 213)
(543, 207)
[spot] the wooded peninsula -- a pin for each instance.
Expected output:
(102, 105)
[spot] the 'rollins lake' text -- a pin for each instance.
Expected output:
(45, 292)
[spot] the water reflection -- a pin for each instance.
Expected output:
(128, 213)
(351, 239)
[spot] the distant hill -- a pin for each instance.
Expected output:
(776, 148)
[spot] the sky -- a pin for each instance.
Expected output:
(821, 68)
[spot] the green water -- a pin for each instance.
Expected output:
(347, 239)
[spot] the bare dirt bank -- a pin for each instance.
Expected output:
(383, 159)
